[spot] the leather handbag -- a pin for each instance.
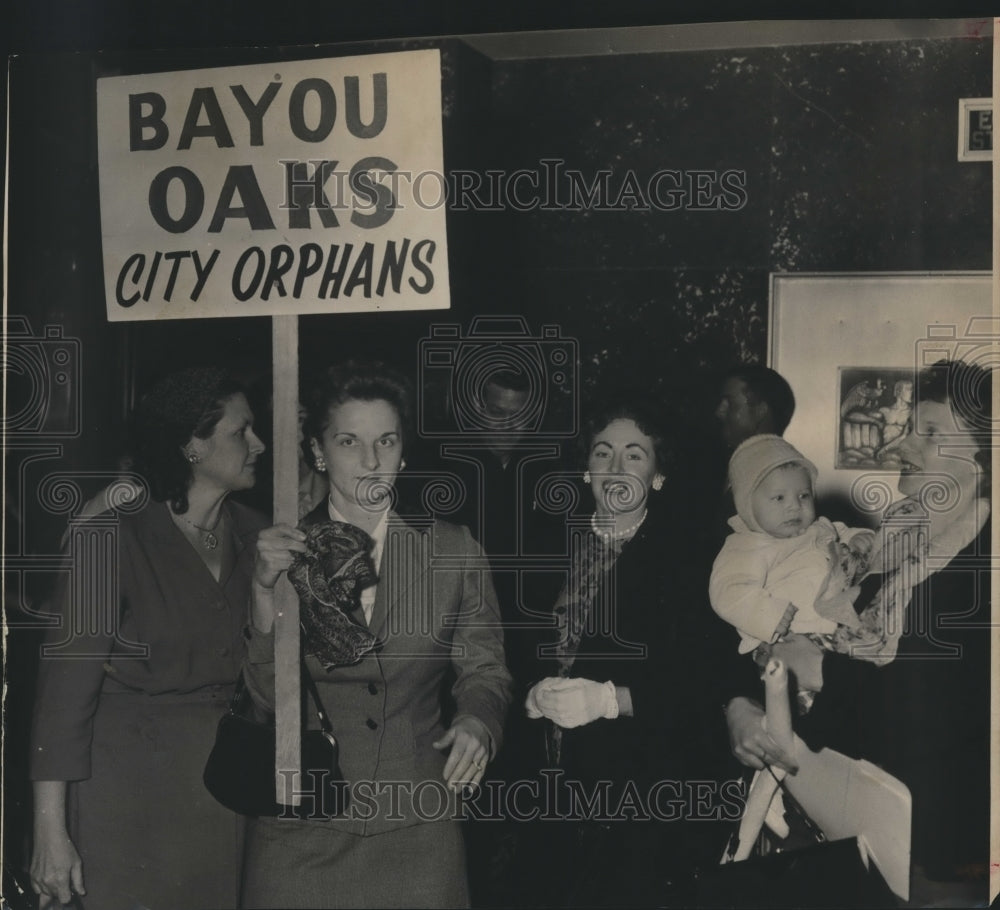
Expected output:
(797, 867)
(240, 774)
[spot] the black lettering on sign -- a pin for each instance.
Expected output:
(177, 268)
(374, 194)
(334, 274)
(136, 263)
(352, 112)
(392, 266)
(241, 179)
(423, 250)
(309, 264)
(239, 291)
(282, 259)
(303, 192)
(138, 122)
(327, 109)
(194, 199)
(255, 110)
(361, 274)
(204, 99)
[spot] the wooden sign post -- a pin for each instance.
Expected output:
(287, 678)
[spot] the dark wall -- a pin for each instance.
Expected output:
(850, 158)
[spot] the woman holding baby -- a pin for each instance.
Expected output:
(919, 704)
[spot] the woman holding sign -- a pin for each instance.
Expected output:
(424, 612)
(132, 686)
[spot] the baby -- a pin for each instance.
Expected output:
(786, 575)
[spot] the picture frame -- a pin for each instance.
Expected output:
(875, 409)
(830, 332)
(975, 129)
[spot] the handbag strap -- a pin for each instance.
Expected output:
(324, 721)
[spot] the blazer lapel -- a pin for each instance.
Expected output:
(406, 558)
(239, 548)
(174, 546)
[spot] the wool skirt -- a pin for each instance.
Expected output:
(292, 863)
(150, 835)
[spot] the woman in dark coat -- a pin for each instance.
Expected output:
(924, 715)
(141, 664)
(624, 701)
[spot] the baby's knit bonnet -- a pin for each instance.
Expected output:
(752, 460)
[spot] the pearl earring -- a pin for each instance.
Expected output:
(321, 465)
(586, 476)
(658, 482)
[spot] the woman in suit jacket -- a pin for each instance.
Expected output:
(624, 698)
(142, 663)
(432, 610)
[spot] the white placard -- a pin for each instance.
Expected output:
(312, 186)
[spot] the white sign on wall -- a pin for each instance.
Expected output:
(311, 186)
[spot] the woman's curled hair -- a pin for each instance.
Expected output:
(182, 405)
(968, 390)
(648, 414)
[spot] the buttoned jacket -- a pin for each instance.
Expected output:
(436, 619)
(150, 620)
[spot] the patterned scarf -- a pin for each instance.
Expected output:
(913, 543)
(329, 578)
(590, 564)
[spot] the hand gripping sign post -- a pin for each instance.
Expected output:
(312, 186)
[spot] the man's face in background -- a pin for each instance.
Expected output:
(739, 414)
(504, 409)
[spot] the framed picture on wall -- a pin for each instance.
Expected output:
(876, 415)
(850, 344)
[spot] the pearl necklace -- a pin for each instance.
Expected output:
(209, 540)
(624, 534)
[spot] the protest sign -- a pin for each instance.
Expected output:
(310, 186)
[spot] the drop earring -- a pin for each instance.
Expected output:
(586, 476)
(658, 482)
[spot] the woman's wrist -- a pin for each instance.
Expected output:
(738, 709)
(261, 608)
(623, 695)
(50, 807)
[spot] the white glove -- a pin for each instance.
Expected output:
(531, 702)
(575, 702)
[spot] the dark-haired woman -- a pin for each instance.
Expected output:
(925, 715)
(140, 668)
(622, 698)
(434, 617)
